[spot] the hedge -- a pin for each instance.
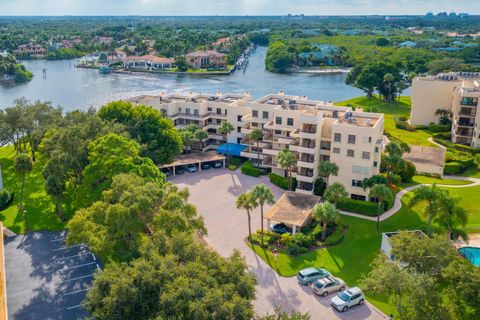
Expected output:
(280, 181)
(358, 206)
(6, 199)
(248, 169)
(439, 127)
(335, 238)
(465, 148)
(453, 167)
(402, 125)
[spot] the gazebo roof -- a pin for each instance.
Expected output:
(293, 208)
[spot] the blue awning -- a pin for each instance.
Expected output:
(234, 149)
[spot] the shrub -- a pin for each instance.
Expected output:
(302, 240)
(280, 181)
(234, 164)
(248, 169)
(403, 118)
(268, 238)
(403, 125)
(319, 187)
(421, 127)
(465, 148)
(358, 206)
(6, 199)
(439, 127)
(286, 239)
(453, 167)
(409, 171)
(335, 238)
(443, 135)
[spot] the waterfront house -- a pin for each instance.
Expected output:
(324, 55)
(206, 59)
(147, 62)
(34, 51)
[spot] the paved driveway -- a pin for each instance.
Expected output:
(45, 278)
(213, 192)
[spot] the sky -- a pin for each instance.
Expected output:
(233, 7)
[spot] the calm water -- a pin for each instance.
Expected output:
(75, 88)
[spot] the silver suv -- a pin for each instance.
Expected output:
(324, 286)
(347, 299)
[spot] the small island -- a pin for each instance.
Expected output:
(11, 71)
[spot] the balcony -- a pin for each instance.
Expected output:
(303, 178)
(297, 148)
(246, 129)
(464, 132)
(469, 101)
(305, 164)
(467, 112)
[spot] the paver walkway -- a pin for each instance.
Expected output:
(214, 192)
(397, 205)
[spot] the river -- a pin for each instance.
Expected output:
(75, 88)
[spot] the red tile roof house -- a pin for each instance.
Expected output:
(206, 59)
(31, 51)
(148, 62)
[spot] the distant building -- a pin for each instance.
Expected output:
(148, 62)
(407, 44)
(103, 40)
(206, 59)
(34, 51)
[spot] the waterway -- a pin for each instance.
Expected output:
(75, 88)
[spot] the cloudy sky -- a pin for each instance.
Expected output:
(233, 7)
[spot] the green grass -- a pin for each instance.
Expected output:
(470, 197)
(444, 181)
(392, 110)
(472, 172)
(40, 207)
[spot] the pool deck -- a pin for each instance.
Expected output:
(474, 241)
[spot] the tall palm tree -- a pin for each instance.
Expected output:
(226, 128)
(247, 201)
(326, 169)
(23, 164)
(432, 195)
(199, 136)
(382, 193)
(325, 213)
(334, 193)
(256, 135)
(287, 160)
(262, 195)
(451, 214)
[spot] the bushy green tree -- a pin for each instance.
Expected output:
(287, 160)
(325, 213)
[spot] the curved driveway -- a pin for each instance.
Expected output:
(213, 192)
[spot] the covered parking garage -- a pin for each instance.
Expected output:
(194, 158)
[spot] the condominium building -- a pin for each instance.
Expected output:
(458, 92)
(316, 131)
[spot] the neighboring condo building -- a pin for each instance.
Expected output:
(316, 131)
(458, 92)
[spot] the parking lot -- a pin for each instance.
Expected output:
(214, 192)
(46, 279)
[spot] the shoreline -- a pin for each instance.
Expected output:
(128, 71)
(320, 70)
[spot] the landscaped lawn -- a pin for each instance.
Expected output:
(471, 203)
(40, 207)
(392, 110)
(445, 181)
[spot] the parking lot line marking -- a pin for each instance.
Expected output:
(68, 247)
(81, 265)
(73, 279)
(62, 239)
(77, 255)
(98, 267)
(93, 256)
(77, 306)
(76, 291)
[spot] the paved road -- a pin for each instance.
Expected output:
(45, 278)
(213, 192)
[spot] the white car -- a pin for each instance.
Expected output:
(324, 286)
(191, 168)
(348, 298)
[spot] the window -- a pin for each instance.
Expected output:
(367, 139)
(239, 129)
(195, 112)
(376, 149)
(289, 121)
(219, 121)
(278, 120)
(338, 137)
(325, 145)
(358, 197)
(350, 153)
(375, 164)
(225, 112)
(209, 109)
(239, 140)
(219, 111)
(255, 113)
(239, 118)
(351, 139)
(278, 132)
(187, 111)
(179, 109)
(365, 155)
(357, 183)
(336, 150)
(265, 115)
(361, 170)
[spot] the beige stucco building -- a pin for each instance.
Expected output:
(455, 91)
(316, 131)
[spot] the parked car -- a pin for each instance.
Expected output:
(348, 298)
(191, 168)
(206, 166)
(280, 228)
(167, 171)
(308, 276)
(179, 170)
(324, 286)
(218, 164)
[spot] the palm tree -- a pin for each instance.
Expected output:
(226, 128)
(325, 213)
(261, 195)
(334, 193)
(247, 201)
(382, 193)
(199, 136)
(23, 165)
(393, 160)
(432, 195)
(326, 169)
(256, 135)
(187, 138)
(287, 160)
(451, 214)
